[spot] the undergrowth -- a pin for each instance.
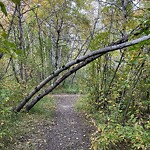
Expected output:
(68, 89)
(15, 125)
(111, 135)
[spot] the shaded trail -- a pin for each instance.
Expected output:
(70, 131)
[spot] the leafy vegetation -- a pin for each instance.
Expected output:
(117, 87)
(39, 37)
(15, 126)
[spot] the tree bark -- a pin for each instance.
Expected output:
(131, 95)
(96, 53)
(61, 79)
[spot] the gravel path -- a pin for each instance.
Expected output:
(70, 131)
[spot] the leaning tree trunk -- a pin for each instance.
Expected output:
(53, 75)
(76, 61)
(61, 79)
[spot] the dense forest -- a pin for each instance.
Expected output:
(98, 48)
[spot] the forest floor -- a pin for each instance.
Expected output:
(69, 129)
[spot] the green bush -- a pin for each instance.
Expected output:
(112, 135)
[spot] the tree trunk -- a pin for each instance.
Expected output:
(58, 81)
(96, 53)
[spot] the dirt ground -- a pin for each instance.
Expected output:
(70, 131)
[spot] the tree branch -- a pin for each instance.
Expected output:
(96, 53)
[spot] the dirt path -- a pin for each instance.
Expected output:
(70, 130)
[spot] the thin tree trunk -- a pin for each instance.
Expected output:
(58, 81)
(14, 70)
(96, 53)
(20, 37)
(131, 95)
(110, 84)
(40, 46)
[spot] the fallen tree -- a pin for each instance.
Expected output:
(81, 61)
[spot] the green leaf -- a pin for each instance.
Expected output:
(4, 34)
(7, 47)
(3, 8)
(16, 1)
(18, 51)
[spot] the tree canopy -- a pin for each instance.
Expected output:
(45, 43)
